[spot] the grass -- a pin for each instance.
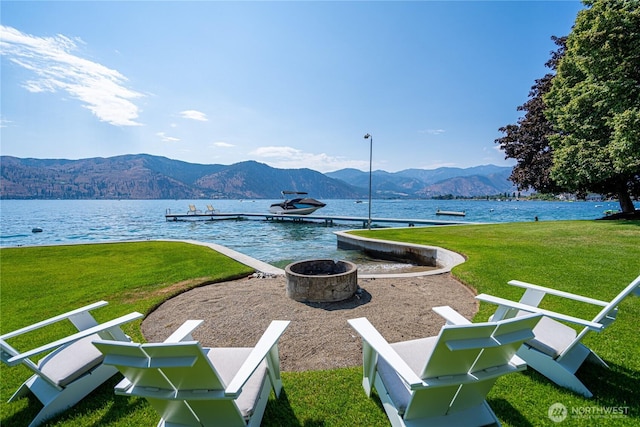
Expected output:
(594, 258)
(591, 258)
(40, 282)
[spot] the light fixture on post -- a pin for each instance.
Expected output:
(370, 138)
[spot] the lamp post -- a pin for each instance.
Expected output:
(370, 138)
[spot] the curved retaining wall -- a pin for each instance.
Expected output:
(432, 256)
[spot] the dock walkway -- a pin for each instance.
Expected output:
(327, 219)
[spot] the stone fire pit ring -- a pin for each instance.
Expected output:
(321, 280)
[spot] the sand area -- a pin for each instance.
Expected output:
(236, 313)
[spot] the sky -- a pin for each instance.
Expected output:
(293, 84)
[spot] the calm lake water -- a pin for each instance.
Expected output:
(275, 242)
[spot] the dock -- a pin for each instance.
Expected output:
(451, 213)
(326, 219)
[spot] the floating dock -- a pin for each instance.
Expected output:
(450, 213)
(327, 219)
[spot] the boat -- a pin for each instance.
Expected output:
(451, 213)
(297, 205)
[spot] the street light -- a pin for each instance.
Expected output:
(370, 138)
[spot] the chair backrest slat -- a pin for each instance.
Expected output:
(185, 365)
(471, 357)
(133, 363)
(457, 349)
(606, 316)
(633, 287)
(509, 335)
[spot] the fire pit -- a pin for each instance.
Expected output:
(321, 280)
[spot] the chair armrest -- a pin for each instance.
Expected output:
(78, 335)
(183, 333)
(266, 343)
(123, 386)
(53, 320)
(518, 362)
(556, 292)
(451, 316)
(531, 309)
(377, 342)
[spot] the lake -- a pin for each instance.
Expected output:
(275, 242)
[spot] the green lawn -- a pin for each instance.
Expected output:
(594, 258)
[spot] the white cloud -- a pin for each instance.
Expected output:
(223, 144)
(101, 89)
(194, 115)
(166, 138)
(433, 131)
(277, 152)
(292, 158)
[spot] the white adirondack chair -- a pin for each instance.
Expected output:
(189, 385)
(73, 368)
(557, 351)
(442, 380)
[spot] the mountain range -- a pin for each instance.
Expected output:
(143, 176)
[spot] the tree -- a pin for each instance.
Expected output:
(594, 103)
(528, 140)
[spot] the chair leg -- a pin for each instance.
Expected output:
(72, 394)
(258, 413)
(553, 370)
(392, 413)
(273, 370)
(36, 386)
(595, 359)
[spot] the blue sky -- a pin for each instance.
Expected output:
(291, 84)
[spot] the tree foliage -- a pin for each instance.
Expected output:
(593, 103)
(528, 140)
(581, 128)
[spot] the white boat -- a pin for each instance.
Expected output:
(451, 213)
(297, 205)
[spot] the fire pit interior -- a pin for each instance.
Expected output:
(321, 280)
